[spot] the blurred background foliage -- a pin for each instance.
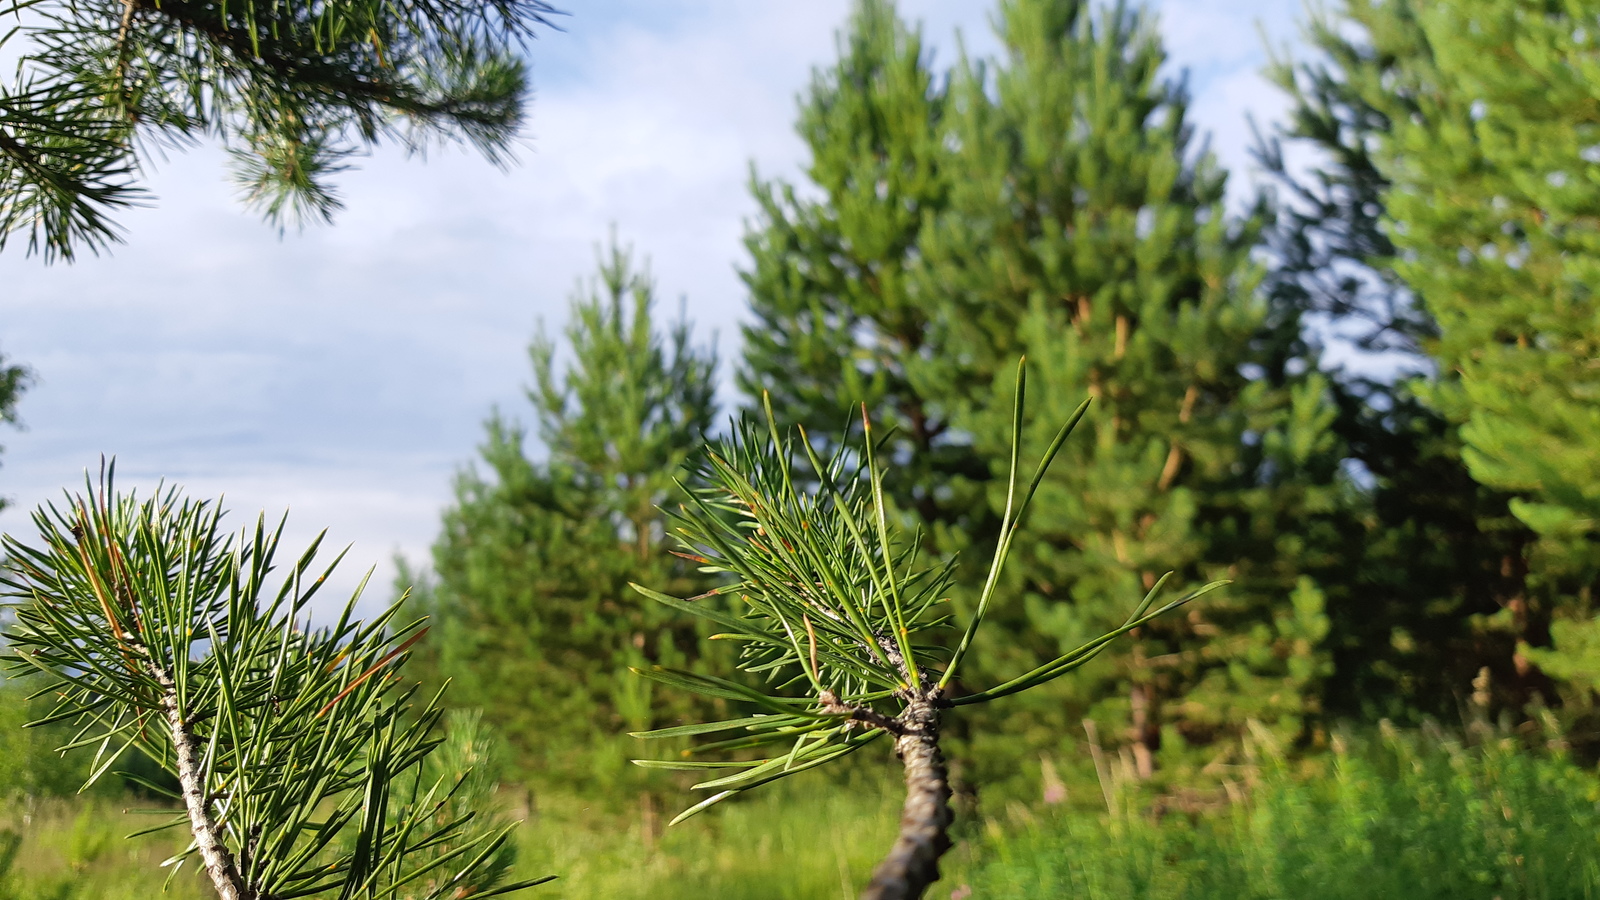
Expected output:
(1397, 538)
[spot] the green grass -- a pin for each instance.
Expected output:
(1398, 818)
(76, 850)
(772, 847)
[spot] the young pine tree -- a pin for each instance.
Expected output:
(1085, 230)
(1475, 119)
(840, 314)
(1088, 233)
(1430, 557)
(832, 610)
(1051, 203)
(534, 559)
(1495, 175)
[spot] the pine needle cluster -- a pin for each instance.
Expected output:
(293, 89)
(833, 610)
(298, 751)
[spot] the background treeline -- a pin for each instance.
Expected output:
(1367, 392)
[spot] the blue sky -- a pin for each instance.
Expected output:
(343, 373)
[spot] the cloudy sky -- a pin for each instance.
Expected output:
(343, 373)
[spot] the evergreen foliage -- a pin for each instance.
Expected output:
(536, 623)
(1086, 231)
(1495, 175)
(1052, 203)
(293, 90)
(468, 757)
(1429, 556)
(831, 608)
(840, 311)
(34, 768)
(30, 766)
(1469, 123)
(296, 750)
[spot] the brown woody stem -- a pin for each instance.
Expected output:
(913, 861)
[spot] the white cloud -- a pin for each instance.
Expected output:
(344, 372)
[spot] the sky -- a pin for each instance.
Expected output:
(342, 374)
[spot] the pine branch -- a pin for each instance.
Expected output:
(830, 597)
(287, 741)
(913, 862)
(214, 853)
(302, 87)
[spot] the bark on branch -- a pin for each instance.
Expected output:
(913, 863)
(866, 715)
(216, 856)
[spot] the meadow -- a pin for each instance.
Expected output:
(1410, 816)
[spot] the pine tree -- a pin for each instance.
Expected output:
(1427, 545)
(292, 89)
(835, 605)
(1086, 232)
(840, 314)
(1476, 139)
(534, 559)
(1064, 215)
(1494, 180)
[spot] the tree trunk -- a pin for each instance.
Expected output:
(1144, 732)
(913, 862)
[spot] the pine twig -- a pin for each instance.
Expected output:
(218, 859)
(913, 862)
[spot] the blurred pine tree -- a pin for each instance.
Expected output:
(840, 314)
(1478, 129)
(1496, 176)
(1088, 232)
(536, 623)
(1051, 203)
(1426, 554)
